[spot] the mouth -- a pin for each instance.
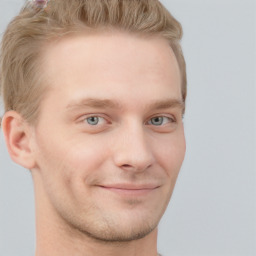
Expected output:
(130, 189)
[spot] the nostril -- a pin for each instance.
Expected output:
(126, 165)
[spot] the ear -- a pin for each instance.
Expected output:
(17, 135)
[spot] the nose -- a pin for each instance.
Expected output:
(132, 150)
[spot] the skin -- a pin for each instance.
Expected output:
(108, 145)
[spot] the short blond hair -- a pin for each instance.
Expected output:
(26, 36)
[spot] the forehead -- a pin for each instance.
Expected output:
(116, 63)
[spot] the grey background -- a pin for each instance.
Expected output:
(212, 211)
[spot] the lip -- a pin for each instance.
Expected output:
(130, 189)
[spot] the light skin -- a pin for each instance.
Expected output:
(108, 145)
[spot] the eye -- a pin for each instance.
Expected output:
(93, 123)
(160, 120)
(95, 120)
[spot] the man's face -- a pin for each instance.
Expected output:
(109, 143)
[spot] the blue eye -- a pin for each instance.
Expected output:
(157, 120)
(93, 120)
(160, 120)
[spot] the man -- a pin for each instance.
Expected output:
(94, 94)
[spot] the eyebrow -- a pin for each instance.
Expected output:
(93, 103)
(168, 103)
(112, 104)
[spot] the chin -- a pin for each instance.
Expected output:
(120, 233)
(118, 228)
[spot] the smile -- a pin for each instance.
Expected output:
(130, 190)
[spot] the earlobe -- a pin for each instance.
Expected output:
(17, 137)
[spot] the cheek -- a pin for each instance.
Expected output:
(171, 153)
(88, 154)
(65, 167)
(74, 163)
(75, 153)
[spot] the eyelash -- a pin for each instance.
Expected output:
(86, 119)
(170, 119)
